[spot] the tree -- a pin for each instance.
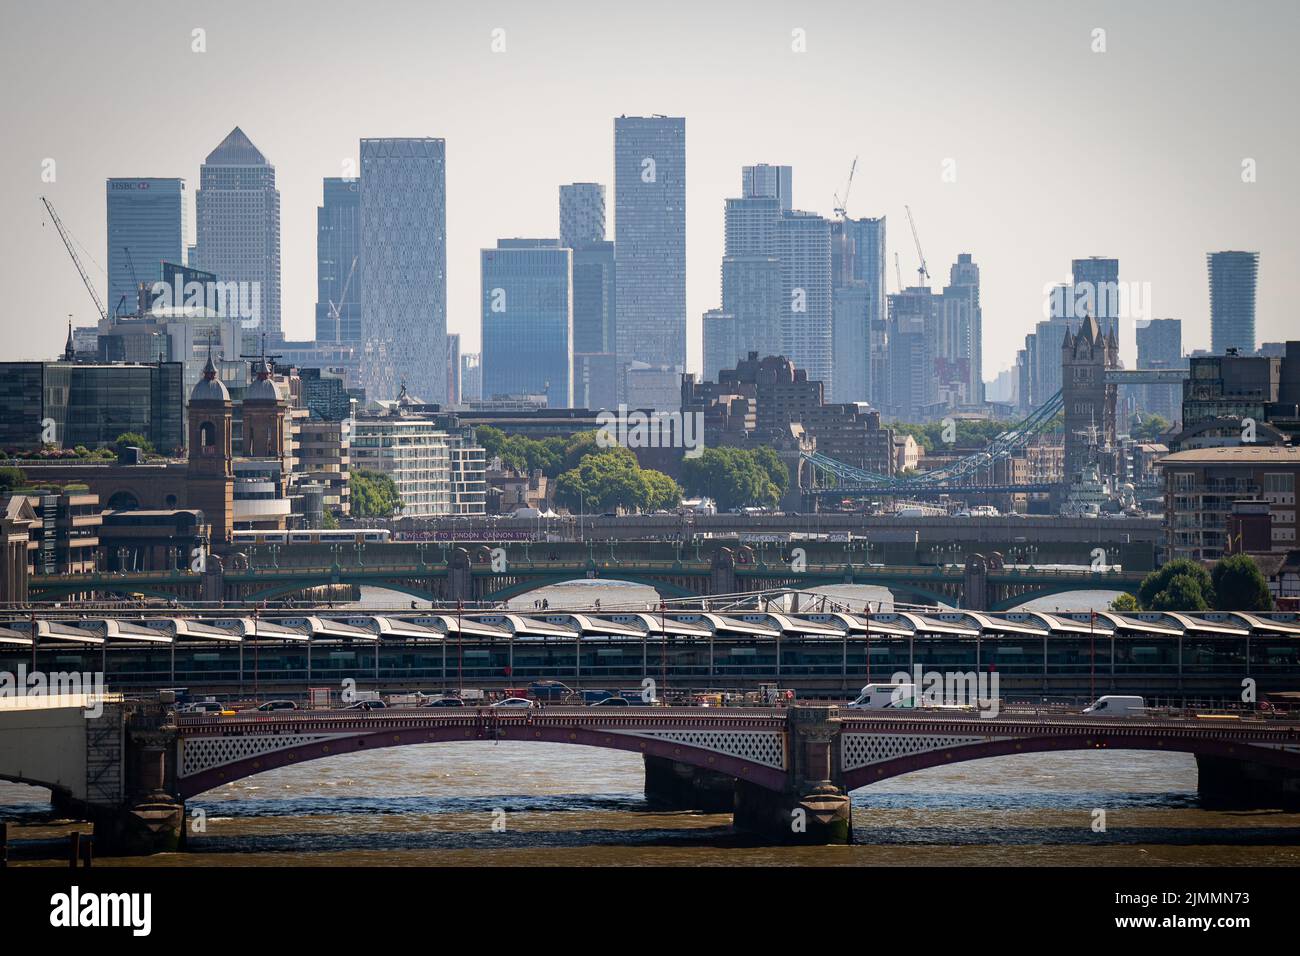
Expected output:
(604, 481)
(11, 478)
(1125, 604)
(732, 477)
(328, 521)
(374, 494)
(1198, 589)
(1147, 427)
(663, 492)
(1183, 592)
(776, 469)
(1239, 585)
(133, 440)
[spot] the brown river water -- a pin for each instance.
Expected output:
(508, 803)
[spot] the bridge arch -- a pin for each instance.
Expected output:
(336, 745)
(1010, 603)
(534, 583)
(1154, 742)
(291, 587)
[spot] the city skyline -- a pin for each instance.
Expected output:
(496, 188)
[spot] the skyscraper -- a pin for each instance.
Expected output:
(338, 265)
(762, 181)
(404, 269)
(527, 315)
(858, 264)
(720, 350)
(1232, 300)
(1160, 345)
(146, 227)
(1097, 293)
(650, 244)
(582, 229)
(804, 246)
(237, 225)
(582, 214)
(963, 327)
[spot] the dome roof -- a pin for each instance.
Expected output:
(262, 390)
(209, 387)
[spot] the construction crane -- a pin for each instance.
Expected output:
(135, 279)
(841, 205)
(898, 272)
(922, 272)
(76, 260)
(343, 297)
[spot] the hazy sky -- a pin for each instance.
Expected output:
(1060, 152)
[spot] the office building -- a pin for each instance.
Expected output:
(237, 228)
(1160, 346)
(582, 214)
(527, 320)
(1233, 277)
(650, 245)
(338, 262)
(146, 227)
(762, 181)
(404, 269)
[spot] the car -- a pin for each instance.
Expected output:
(277, 705)
(200, 707)
(612, 702)
(515, 702)
(445, 702)
(367, 705)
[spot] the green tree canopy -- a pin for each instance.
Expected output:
(1125, 604)
(1182, 592)
(732, 477)
(1197, 589)
(11, 478)
(1239, 585)
(1147, 427)
(373, 494)
(610, 479)
(133, 440)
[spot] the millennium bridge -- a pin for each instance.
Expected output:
(784, 772)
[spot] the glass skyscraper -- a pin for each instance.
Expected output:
(582, 214)
(404, 269)
(1232, 300)
(527, 320)
(338, 266)
(650, 244)
(146, 222)
(237, 226)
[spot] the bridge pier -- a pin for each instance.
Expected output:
(150, 819)
(813, 809)
(679, 786)
(1226, 784)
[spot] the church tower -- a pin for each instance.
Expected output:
(211, 473)
(264, 410)
(1089, 402)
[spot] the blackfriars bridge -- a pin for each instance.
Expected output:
(785, 773)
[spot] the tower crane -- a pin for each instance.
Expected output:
(922, 271)
(898, 272)
(135, 279)
(343, 297)
(841, 205)
(76, 260)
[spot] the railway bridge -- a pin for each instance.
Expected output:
(786, 773)
(484, 575)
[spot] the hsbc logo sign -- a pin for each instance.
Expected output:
(129, 186)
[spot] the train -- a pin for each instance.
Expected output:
(340, 536)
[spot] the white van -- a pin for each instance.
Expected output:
(1115, 706)
(882, 696)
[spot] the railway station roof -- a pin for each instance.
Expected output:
(1267, 625)
(1200, 625)
(1064, 624)
(8, 636)
(1004, 624)
(661, 623)
(1133, 625)
(63, 631)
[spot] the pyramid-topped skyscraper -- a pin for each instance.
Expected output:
(237, 230)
